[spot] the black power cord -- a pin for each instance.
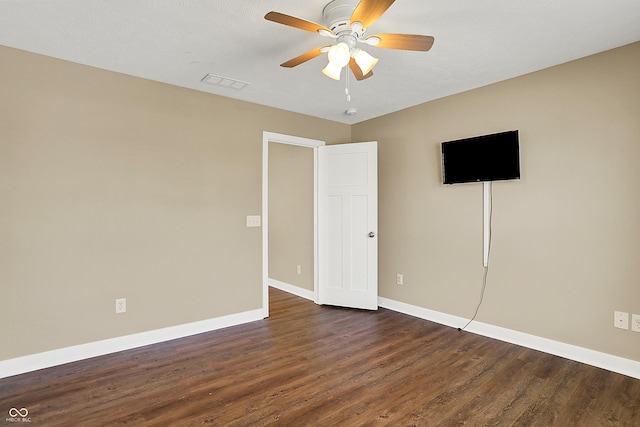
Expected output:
(486, 269)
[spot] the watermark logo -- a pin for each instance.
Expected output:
(18, 416)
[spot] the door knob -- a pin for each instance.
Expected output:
(372, 234)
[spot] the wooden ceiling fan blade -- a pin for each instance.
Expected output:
(402, 41)
(357, 72)
(304, 57)
(368, 11)
(294, 22)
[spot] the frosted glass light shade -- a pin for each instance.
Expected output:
(332, 70)
(339, 54)
(365, 61)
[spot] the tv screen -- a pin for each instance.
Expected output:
(482, 158)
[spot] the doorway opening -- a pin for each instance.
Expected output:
(267, 138)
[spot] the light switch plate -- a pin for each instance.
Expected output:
(253, 220)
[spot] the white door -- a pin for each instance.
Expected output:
(348, 225)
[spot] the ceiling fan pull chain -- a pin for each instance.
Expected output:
(346, 90)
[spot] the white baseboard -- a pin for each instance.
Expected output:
(606, 361)
(61, 356)
(292, 289)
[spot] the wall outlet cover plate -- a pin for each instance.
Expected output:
(621, 319)
(121, 305)
(635, 322)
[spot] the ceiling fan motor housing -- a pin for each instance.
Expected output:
(337, 16)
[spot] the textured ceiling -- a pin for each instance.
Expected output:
(180, 41)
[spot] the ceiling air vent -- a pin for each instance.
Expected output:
(214, 80)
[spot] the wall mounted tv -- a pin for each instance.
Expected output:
(482, 158)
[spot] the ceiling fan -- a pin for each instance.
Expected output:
(346, 21)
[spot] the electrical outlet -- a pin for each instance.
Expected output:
(621, 319)
(121, 305)
(399, 279)
(635, 322)
(299, 269)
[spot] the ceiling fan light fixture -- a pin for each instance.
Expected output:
(333, 71)
(339, 54)
(365, 61)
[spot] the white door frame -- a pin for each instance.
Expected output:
(268, 137)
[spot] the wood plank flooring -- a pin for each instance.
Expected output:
(309, 365)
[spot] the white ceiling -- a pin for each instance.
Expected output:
(477, 42)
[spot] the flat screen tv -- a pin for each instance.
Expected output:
(482, 158)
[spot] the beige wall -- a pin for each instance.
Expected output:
(118, 187)
(291, 214)
(114, 187)
(566, 237)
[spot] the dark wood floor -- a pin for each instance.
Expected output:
(322, 366)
